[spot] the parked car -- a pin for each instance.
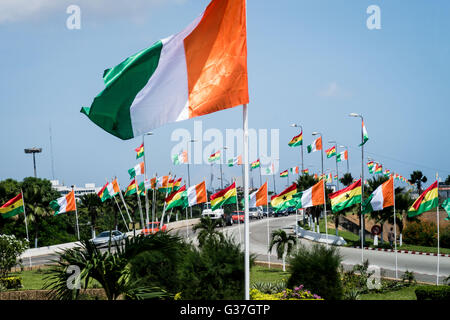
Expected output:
(102, 239)
(237, 216)
(153, 227)
(255, 213)
(216, 214)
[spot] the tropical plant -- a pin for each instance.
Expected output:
(284, 244)
(207, 228)
(111, 270)
(418, 179)
(317, 268)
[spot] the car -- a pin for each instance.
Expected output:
(102, 239)
(216, 214)
(255, 213)
(153, 227)
(237, 216)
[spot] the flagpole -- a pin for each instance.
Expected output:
(76, 214)
(26, 223)
(395, 234)
(246, 210)
(437, 219)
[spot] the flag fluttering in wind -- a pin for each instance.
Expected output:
(426, 201)
(137, 170)
(284, 174)
(197, 194)
(255, 164)
(343, 156)
(13, 207)
(64, 204)
(331, 152)
(278, 200)
(365, 135)
(259, 197)
(223, 197)
(315, 146)
(235, 161)
(201, 70)
(381, 198)
(182, 157)
(139, 151)
(177, 199)
(296, 141)
(346, 197)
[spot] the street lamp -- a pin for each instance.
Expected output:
(356, 115)
(299, 126)
(33, 151)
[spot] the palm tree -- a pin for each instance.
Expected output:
(284, 244)
(92, 205)
(418, 178)
(208, 230)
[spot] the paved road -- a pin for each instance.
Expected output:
(423, 266)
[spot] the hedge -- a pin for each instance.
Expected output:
(433, 293)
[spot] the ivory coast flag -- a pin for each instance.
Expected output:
(381, 198)
(132, 188)
(64, 204)
(137, 170)
(311, 197)
(13, 207)
(259, 197)
(426, 201)
(279, 199)
(346, 197)
(201, 70)
(296, 141)
(223, 197)
(177, 199)
(315, 146)
(197, 194)
(139, 151)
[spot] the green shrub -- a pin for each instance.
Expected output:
(317, 268)
(11, 282)
(421, 234)
(433, 293)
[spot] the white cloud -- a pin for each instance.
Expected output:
(23, 10)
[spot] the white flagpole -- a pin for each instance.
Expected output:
(437, 220)
(26, 223)
(395, 236)
(246, 210)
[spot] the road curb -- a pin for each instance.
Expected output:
(405, 251)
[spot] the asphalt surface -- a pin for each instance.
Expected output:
(424, 267)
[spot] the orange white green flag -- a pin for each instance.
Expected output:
(200, 70)
(64, 204)
(426, 201)
(381, 198)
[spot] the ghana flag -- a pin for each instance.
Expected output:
(346, 197)
(177, 199)
(296, 141)
(223, 197)
(427, 201)
(331, 152)
(12, 207)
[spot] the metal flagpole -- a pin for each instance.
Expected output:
(26, 223)
(437, 220)
(395, 235)
(76, 214)
(246, 210)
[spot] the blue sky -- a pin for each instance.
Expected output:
(309, 62)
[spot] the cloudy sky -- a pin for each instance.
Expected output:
(310, 62)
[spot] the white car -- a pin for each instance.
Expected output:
(216, 214)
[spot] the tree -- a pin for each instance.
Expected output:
(418, 178)
(37, 194)
(284, 244)
(92, 205)
(208, 230)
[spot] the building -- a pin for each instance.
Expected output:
(79, 191)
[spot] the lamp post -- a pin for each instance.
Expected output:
(33, 151)
(301, 128)
(356, 115)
